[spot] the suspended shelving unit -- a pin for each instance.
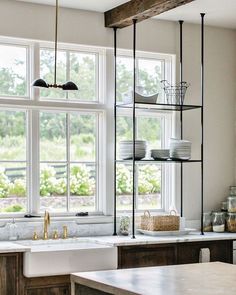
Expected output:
(158, 107)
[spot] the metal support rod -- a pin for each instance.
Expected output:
(115, 126)
(56, 42)
(202, 116)
(181, 112)
(134, 128)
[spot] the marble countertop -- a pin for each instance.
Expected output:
(190, 279)
(9, 247)
(144, 240)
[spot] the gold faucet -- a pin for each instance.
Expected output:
(46, 224)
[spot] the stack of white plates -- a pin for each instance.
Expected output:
(126, 149)
(180, 149)
(160, 154)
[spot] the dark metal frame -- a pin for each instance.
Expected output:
(160, 106)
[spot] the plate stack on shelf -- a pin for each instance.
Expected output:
(160, 154)
(126, 149)
(180, 149)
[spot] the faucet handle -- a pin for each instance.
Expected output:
(55, 234)
(65, 232)
(35, 236)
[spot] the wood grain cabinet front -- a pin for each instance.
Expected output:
(9, 274)
(219, 251)
(146, 255)
(63, 290)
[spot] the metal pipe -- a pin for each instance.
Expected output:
(115, 128)
(181, 112)
(202, 115)
(134, 128)
(56, 42)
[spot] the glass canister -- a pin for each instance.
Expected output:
(231, 202)
(232, 190)
(124, 225)
(207, 222)
(224, 207)
(218, 222)
(231, 222)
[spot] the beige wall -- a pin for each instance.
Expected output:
(36, 22)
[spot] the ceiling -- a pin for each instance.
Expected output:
(220, 13)
(93, 5)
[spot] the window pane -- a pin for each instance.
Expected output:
(47, 72)
(53, 187)
(82, 188)
(149, 76)
(124, 187)
(12, 136)
(13, 71)
(83, 73)
(150, 129)
(83, 137)
(13, 187)
(124, 76)
(52, 136)
(149, 187)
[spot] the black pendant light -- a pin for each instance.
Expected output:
(40, 83)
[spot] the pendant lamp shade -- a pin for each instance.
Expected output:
(69, 86)
(40, 83)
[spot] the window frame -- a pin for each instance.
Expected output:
(33, 104)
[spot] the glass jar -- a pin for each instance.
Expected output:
(224, 207)
(231, 222)
(207, 222)
(218, 222)
(124, 225)
(232, 190)
(231, 201)
(13, 231)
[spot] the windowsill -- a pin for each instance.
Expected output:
(79, 220)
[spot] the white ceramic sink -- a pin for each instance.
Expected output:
(60, 257)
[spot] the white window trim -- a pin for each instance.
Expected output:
(103, 107)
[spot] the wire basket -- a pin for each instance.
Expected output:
(175, 94)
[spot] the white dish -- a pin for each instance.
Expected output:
(186, 231)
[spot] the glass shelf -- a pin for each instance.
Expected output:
(161, 160)
(159, 106)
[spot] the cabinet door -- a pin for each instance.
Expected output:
(9, 281)
(146, 255)
(63, 290)
(219, 251)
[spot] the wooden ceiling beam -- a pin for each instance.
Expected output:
(123, 15)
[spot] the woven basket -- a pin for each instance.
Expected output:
(161, 222)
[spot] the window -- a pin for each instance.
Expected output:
(54, 145)
(154, 128)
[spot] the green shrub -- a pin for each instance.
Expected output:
(123, 180)
(81, 183)
(47, 181)
(14, 208)
(4, 184)
(18, 188)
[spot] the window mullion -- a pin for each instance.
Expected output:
(34, 192)
(68, 159)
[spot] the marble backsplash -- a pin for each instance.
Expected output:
(25, 230)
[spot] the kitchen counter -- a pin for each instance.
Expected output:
(194, 279)
(145, 240)
(9, 247)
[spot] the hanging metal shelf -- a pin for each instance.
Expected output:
(159, 106)
(161, 160)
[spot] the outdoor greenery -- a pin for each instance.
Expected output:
(53, 129)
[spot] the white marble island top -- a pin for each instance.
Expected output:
(191, 279)
(11, 247)
(145, 240)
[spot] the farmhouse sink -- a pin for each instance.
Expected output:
(61, 257)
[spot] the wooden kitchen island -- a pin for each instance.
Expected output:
(190, 279)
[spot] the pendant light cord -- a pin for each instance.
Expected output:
(56, 40)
